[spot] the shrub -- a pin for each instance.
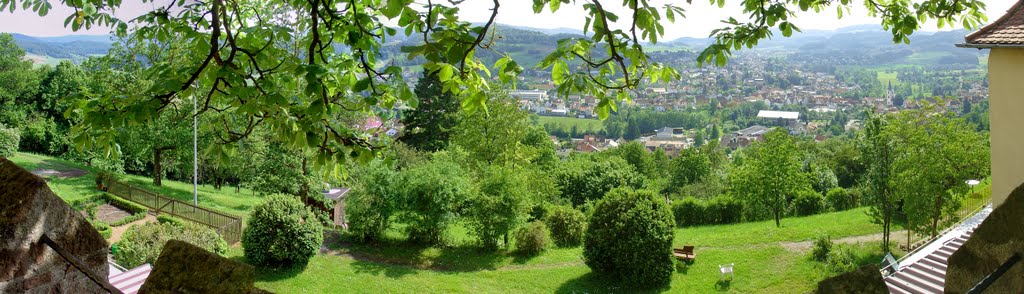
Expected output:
(532, 238)
(90, 209)
(840, 199)
(567, 226)
(281, 231)
(585, 178)
(841, 259)
(166, 219)
(103, 228)
(501, 206)
(629, 237)
(823, 179)
(124, 204)
(9, 139)
(808, 202)
(128, 219)
(689, 212)
(822, 247)
(725, 210)
(432, 195)
(142, 244)
(372, 202)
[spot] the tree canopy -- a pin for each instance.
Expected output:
(300, 67)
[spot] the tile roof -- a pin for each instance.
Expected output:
(130, 281)
(1007, 30)
(927, 275)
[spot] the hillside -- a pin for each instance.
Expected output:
(71, 47)
(864, 43)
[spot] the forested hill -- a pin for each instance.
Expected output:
(528, 46)
(72, 47)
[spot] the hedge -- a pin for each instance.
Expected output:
(840, 199)
(808, 202)
(103, 228)
(142, 244)
(691, 211)
(124, 204)
(166, 219)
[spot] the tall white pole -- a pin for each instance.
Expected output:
(195, 152)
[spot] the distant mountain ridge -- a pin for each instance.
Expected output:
(72, 47)
(528, 45)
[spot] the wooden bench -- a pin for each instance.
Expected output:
(685, 253)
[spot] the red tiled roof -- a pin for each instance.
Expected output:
(1007, 30)
(130, 281)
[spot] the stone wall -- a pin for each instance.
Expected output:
(28, 209)
(185, 268)
(993, 242)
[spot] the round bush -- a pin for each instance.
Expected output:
(629, 237)
(9, 140)
(532, 239)
(567, 226)
(840, 199)
(689, 212)
(808, 202)
(142, 244)
(281, 231)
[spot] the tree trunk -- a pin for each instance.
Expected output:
(777, 224)
(938, 214)
(158, 170)
(157, 167)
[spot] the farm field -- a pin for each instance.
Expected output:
(582, 124)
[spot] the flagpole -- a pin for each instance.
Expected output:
(195, 151)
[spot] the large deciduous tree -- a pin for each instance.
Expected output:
(771, 175)
(876, 143)
(938, 152)
(299, 66)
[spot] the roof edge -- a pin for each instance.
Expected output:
(989, 46)
(1009, 12)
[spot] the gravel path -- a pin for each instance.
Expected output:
(117, 231)
(109, 213)
(806, 245)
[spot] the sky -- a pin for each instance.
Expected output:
(701, 17)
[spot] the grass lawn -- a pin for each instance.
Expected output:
(763, 263)
(582, 124)
(885, 77)
(71, 189)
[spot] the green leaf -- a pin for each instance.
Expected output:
(89, 9)
(446, 72)
(558, 71)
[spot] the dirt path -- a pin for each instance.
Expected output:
(109, 213)
(116, 232)
(806, 245)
